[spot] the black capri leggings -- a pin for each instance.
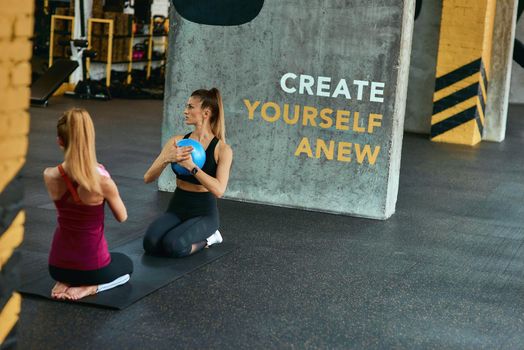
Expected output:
(191, 218)
(120, 265)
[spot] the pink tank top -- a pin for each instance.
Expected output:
(78, 242)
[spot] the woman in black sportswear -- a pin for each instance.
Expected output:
(191, 220)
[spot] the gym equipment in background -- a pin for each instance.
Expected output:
(160, 25)
(140, 51)
(87, 88)
(51, 80)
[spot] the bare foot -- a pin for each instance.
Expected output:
(58, 290)
(76, 293)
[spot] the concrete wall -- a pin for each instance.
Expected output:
(501, 63)
(315, 163)
(419, 106)
(517, 72)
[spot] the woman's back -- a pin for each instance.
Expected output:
(79, 241)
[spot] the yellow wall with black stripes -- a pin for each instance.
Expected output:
(16, 29)
(464, 55)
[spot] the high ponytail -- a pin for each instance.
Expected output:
(212, 99)
(76, 130)
(219, 125)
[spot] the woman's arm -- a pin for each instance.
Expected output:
(217, 185)
(170, 153)
(112, 197)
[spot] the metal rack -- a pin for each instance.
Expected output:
(150, 43)
(108, 60)
(54, 18)
(110, 35)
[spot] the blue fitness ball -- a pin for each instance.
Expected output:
(198, 155)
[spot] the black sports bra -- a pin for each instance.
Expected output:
(210, 166)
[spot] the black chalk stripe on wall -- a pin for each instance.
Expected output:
(484, 77)
(460, 96)
(457, 75)
(453, 121)
(460, 118)
(456, 98)
(482, 104)
(482, 101)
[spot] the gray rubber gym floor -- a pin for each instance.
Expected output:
(446, 271)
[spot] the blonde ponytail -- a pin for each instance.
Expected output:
(77, 132)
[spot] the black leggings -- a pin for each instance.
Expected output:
(191, 218)
(120, 265)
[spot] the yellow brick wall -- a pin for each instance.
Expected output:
(16, 30)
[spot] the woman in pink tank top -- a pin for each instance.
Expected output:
(79, 259)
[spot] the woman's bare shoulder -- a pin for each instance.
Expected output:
(51, 174)
(223, 150)
(106, 180)
(224, 147)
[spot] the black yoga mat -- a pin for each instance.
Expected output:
(150, 273)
